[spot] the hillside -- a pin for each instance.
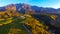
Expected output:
(15, 22)
(26, 19)
(22, 24)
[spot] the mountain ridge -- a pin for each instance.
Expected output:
(25, 7)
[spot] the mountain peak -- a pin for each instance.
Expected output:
(10, 7)
(22, 7)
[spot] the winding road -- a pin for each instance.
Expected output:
(27, 29)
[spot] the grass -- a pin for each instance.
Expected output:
(9, 23)
(6, 21)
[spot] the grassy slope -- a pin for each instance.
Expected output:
(15, 23)
(15, 26)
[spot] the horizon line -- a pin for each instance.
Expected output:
(29, 4)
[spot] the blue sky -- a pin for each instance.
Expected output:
(40, 3)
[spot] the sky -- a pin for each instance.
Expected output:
(40, 3)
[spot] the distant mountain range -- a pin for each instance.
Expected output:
(23, 8)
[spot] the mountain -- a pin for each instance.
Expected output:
(10, 7)
(23, 8)
(25, 19)
(2, 8)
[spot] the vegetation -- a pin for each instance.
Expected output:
(35, 26)
(12, 22)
